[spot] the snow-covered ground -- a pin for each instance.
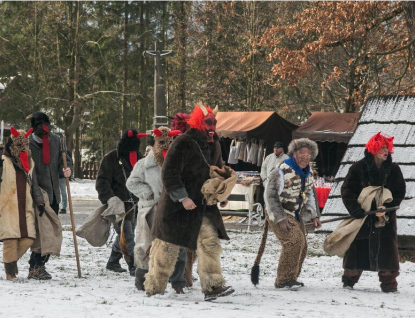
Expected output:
(101, 293)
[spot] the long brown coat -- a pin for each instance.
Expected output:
(185, 168)
(17, 215)
(373, 249)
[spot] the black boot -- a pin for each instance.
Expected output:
(139, 278)
(114, 262)
(131, 266)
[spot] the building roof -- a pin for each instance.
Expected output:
(395, 116)
(333, 127)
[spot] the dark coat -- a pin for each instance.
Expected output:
(185, 168)
(111, 181)
(373, 249)
(48, 174)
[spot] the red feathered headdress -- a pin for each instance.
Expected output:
(379, 140)
(196, 117)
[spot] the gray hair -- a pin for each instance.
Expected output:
(297, 144)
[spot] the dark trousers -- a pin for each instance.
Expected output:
(387, 278)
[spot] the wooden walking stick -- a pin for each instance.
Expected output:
(75, 242)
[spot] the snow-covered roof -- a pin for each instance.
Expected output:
(395, 116)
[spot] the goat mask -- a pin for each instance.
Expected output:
(18, 148)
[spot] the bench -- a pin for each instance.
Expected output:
(255, 211)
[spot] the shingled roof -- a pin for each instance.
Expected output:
(395, 116)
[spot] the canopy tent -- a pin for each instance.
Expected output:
(268, 126)
(393, 115)
(332, 132)
(332, 127)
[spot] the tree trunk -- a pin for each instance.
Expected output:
(409, 13)
(124, 110)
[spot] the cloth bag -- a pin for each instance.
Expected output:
(143, 237)
(242, 150)
(96, 228)
(48, 230)
(339, 241)
(219, 186)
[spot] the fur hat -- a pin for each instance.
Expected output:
(297, 144)
(38, 118)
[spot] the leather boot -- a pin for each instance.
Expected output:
(11, 270)
(113, 263)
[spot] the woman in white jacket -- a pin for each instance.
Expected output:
(145, 183)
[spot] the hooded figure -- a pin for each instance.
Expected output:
(375, 247)
(145, 183)
(115, 168)
(47, 156)
(182, 217)
(19, 193)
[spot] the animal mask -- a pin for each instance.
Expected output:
(163, 137)
(203, 118)
(129, 144)
(18, 148)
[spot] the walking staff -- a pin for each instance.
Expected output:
(65, 165)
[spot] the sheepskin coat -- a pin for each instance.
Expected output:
(112, 182)
(373, 249)
(183, 174)
(282, 193)
(145, 181)
(17, 214)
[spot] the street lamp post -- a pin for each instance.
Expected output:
(160, 105)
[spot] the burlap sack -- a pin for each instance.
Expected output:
(219, 186)
(96, 228)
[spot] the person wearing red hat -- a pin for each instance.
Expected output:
(375, 247)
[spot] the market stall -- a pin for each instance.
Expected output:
(252, 134)
(332, 132)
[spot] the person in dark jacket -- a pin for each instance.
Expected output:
(375, 247)
(115, 168)
(47, 155)
(182, 218)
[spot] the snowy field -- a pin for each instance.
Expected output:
(101, 293)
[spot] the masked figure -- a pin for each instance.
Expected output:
(182, 218)
(115, 168)
(19, 193)
(145, 183)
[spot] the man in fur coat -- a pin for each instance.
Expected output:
(115, 168)
(290, 203)
(47, 155)
(145, 183)
(182, 218)
(375, 247)
(18, 192)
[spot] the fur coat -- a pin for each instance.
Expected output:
(145, 180)
(183, 174)
(111, 181)
(17, 214)
(373, 249)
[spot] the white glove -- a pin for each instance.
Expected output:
(115, 207)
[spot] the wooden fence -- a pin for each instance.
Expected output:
(90, 170)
